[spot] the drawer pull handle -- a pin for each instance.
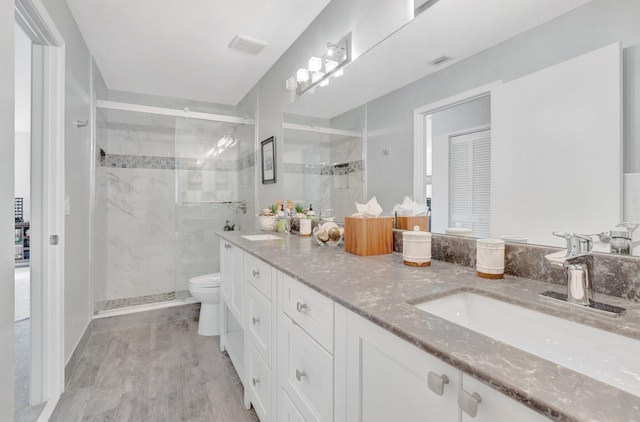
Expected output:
(300, 374)
(468, 403)
(301, 307)
(436, 382)
(255, 381)
(227, 246)
(255, 320)
(256, 273)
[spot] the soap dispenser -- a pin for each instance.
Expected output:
(621, 238)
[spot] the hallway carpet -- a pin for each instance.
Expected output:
(159, 372)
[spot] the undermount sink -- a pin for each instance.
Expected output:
(607, 357)
(254, 237)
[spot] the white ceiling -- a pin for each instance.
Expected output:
(179, 48)
(459, 29)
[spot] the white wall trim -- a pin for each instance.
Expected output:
(420, 132)
(320, 129)
(138, 108)
(48, 319)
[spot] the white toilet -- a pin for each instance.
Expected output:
(206, 288)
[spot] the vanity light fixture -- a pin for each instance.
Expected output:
(320, 68)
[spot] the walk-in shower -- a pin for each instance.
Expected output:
(165, 181)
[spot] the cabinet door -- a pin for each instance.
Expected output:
(258, 324)
(493, 406)
(259, 383)
(288, 411)
(226, 269)
(305, 370)
(231, 278)
(388, 379)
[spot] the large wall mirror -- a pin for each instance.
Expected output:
(545, 93)
(324, 162)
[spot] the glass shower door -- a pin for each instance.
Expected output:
(207, 195)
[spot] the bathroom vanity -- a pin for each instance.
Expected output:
(318, 334)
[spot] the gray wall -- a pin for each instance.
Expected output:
(6, 208)
(77, 290)
(390, 118)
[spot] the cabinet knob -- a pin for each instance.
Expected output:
(436, 382)
(468, 402)
(255, 320)
(256, 273)
(300, 374)
(227, 246)
(301, 306)
(255, 381)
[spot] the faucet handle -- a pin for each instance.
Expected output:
(576, 243)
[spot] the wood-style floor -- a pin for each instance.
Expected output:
(160, 372)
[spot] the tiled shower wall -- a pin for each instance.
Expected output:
(155, 184)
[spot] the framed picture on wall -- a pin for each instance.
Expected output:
(269, 160)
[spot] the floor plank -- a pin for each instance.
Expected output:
(161, 372)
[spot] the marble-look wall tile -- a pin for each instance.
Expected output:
(455, 249)
(141, 221)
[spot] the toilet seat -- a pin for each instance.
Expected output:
(205, 281)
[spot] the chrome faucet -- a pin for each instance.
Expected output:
(578, 263)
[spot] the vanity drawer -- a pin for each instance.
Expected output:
(288, 410)
(310, 310)
(259, 383)
(307, 373)
(258, 323)
(258, 273)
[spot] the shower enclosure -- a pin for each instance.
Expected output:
(165, 181)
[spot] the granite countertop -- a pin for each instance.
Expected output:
(381, 289)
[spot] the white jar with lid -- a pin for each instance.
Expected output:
(490, 258)
(416, 248)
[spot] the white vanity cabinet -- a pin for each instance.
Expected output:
(231, 304)
(390, 379)
(260, 317)
(305, 353)
(303, 358)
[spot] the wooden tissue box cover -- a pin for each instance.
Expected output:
(368, 236)
(407, 223)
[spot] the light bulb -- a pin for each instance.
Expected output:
(316, 77)
(330, 65)
(315, 64)
(302, 75)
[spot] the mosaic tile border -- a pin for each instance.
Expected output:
(324, 170)
(169, 163)
(140, 300)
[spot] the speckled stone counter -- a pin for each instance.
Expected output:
(382, 289)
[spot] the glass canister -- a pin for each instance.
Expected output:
(416, 248)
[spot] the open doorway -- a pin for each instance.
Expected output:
(39, 351)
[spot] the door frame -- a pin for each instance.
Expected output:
(48, 181)
(420, 132)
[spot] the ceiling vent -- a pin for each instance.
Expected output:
(246, 44)
(440, 60)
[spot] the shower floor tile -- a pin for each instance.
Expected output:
(140, 300)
